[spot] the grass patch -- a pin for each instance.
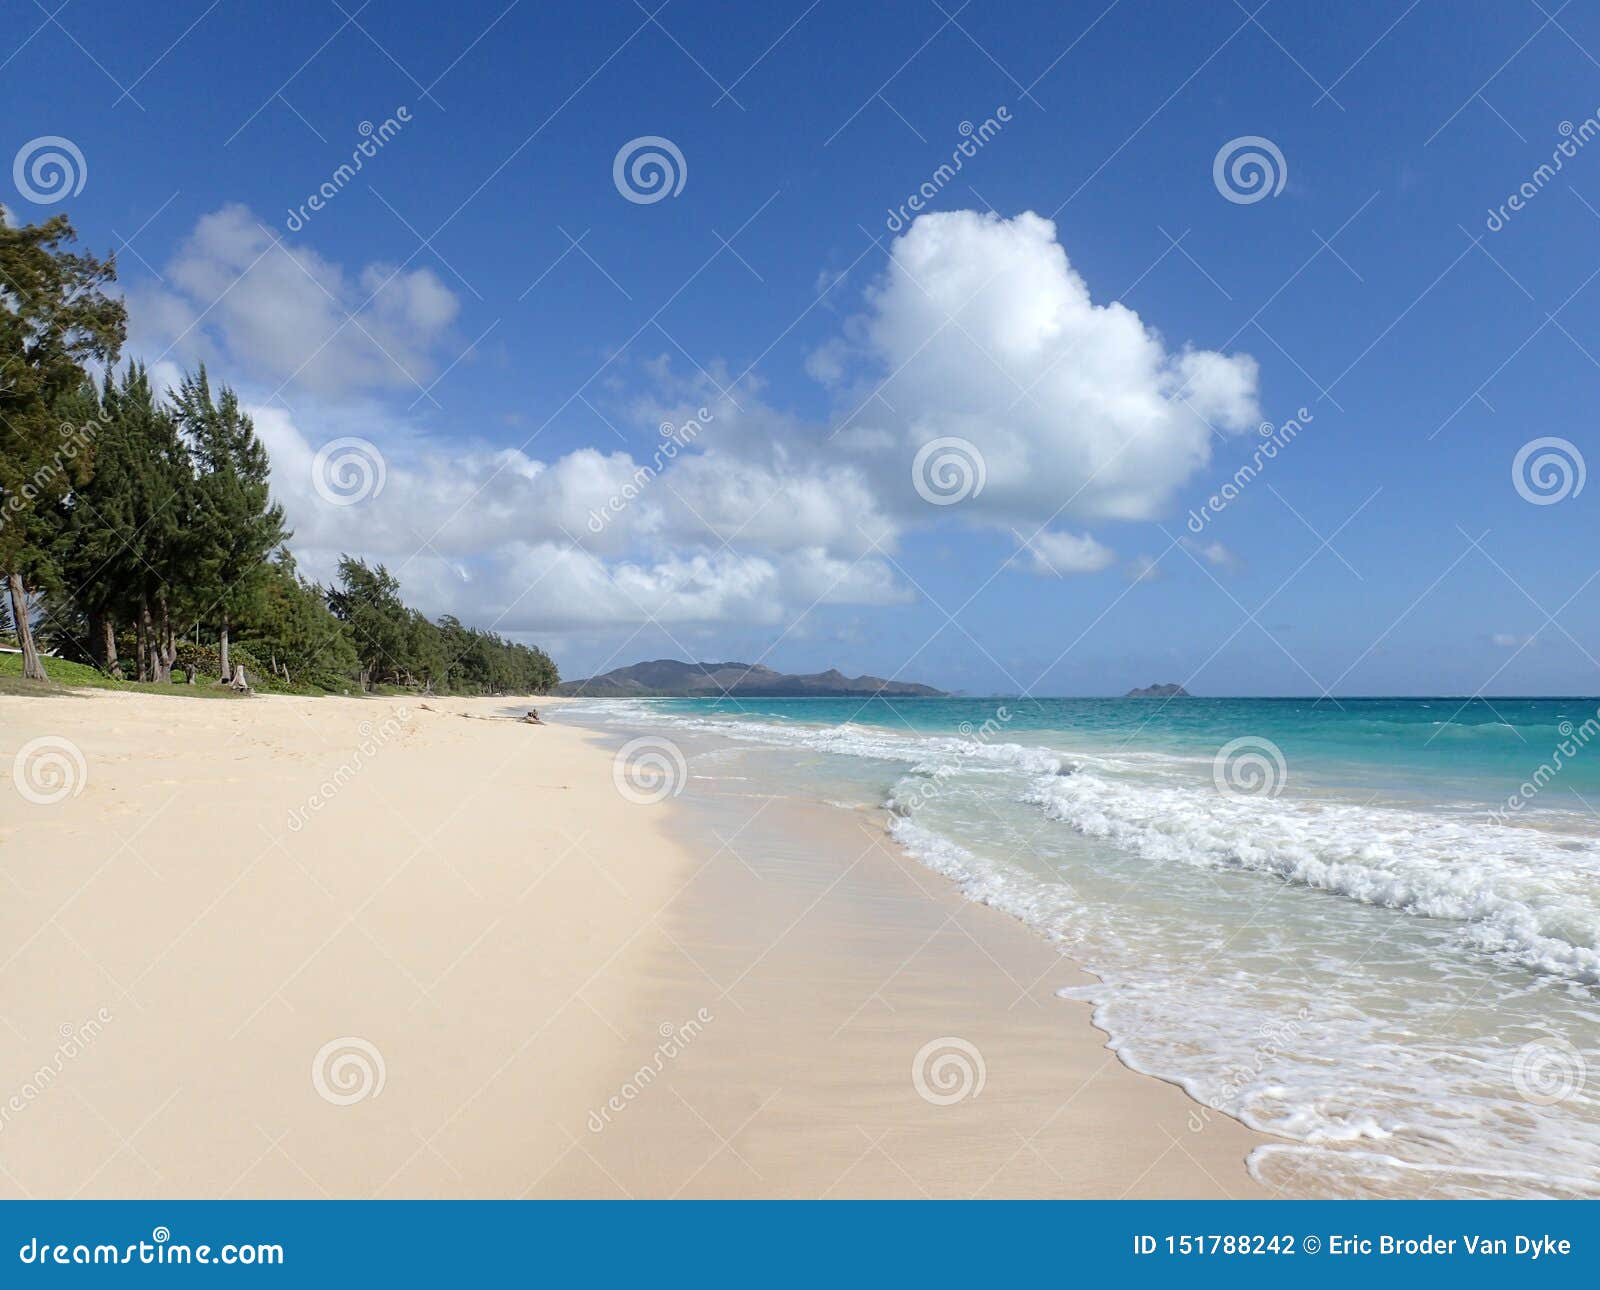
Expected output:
(66, 677)
(62, 675)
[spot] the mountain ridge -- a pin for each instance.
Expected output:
(666, 678)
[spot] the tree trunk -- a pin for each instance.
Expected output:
(222, 652)
(141, 656)
(107, 644)
(32, 668)
(166, 647)
(149, 646)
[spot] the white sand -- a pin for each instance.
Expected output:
(237, 884)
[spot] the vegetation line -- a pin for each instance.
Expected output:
(138, 533)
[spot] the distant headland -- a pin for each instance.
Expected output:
(667, 678)
(1167, 691)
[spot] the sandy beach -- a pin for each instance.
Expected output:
(282, 947)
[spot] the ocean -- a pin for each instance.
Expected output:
(1370, 927)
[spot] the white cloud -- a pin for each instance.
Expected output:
(238, 293)
(1143, 568)
(981, 329)
(1057, 554)
(498, 537)
(1213, 553)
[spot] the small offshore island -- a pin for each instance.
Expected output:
(1168, 691)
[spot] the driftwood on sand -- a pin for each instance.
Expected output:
(532, 718)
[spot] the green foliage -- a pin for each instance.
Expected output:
(142, 536)
(291, 630)
(55, 316)
(236, 525)
(398, 646)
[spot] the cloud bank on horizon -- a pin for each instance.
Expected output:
(977, 332)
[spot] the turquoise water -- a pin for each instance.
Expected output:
(1466, 749)
(1369, 926)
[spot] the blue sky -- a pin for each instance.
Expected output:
(437, 310)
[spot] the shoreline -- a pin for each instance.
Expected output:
(464, 952)
(830, 957)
